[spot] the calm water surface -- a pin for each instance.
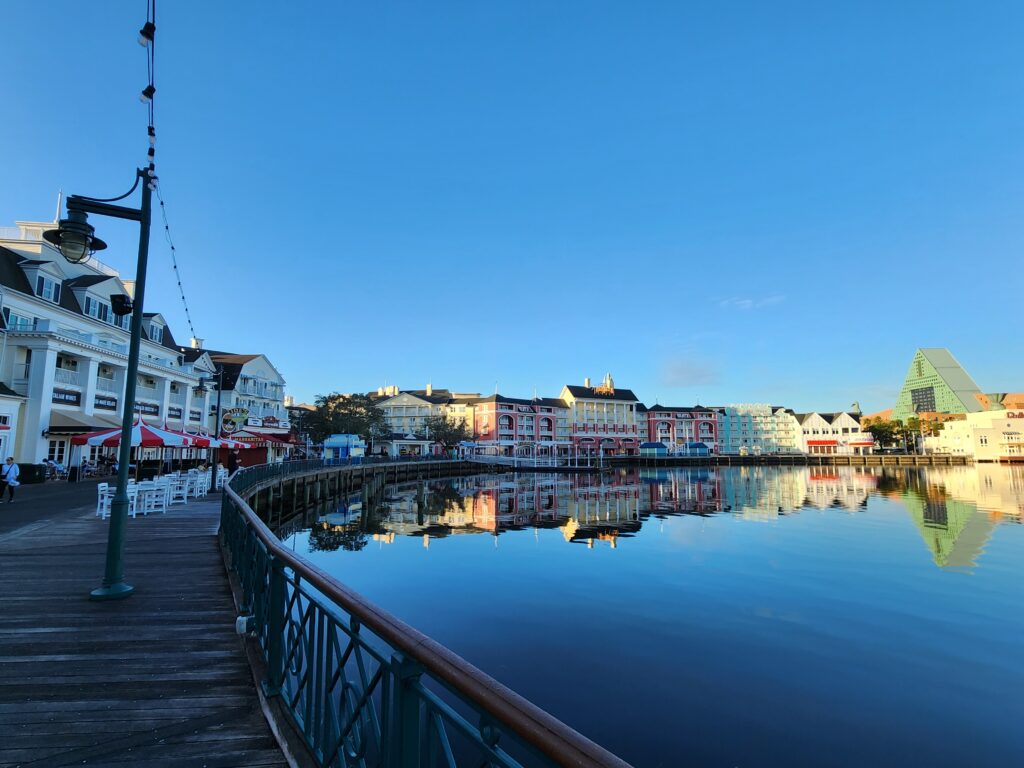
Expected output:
(721, 617)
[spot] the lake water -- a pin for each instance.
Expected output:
(722, 616)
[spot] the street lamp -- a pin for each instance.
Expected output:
(75, 238)
(76, 241)
(202, 389)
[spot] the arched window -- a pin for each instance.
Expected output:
(505, 422)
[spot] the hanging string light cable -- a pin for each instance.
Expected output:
(174, 262)
(147, 39)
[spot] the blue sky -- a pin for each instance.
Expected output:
(714, 201)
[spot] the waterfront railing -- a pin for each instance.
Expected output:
(362, 687)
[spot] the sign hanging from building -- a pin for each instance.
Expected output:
(67, 397)
(105, 403)
(173, 412)
(195, 414)
(147, 409)
(234, 419)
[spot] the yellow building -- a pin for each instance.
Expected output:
(985, 435)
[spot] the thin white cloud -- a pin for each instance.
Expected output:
(688, 373)
(744, 303)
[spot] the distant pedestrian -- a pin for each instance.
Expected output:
(232, 464)
(9, 479)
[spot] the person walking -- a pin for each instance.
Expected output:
(232, 464)
(9, 479)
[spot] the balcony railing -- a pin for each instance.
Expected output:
(103, 384)
(66, 377)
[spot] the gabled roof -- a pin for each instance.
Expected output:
(828, 418)
(87, 281)
(230, 362)
(596, 393)
(6, 391)
(11, 275)
(679, 408)
(551, 402)
(167, 341)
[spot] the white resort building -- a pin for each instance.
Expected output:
(64, 357)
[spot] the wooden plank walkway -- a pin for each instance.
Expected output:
(158, 679)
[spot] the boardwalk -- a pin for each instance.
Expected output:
(159, 679)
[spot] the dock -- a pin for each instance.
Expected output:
(158, 679)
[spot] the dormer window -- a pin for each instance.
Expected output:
(48, 289)
(156, 333)
(97, 309)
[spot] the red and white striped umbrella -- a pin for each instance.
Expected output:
(203, 441)
(142, 434)
(209, 441)
(234, 445)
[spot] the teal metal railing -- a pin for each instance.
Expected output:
(362, 687)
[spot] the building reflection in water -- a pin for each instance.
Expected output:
(955, 509)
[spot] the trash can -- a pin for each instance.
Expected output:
(31, 473)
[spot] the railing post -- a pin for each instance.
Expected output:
(276, 624)
(406, 715)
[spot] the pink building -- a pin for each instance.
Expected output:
(677, 427)
(519, 427)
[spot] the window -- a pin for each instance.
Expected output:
(983, 440)
(18, 322)
(97, 309)
(156, 333)
(48, 289)
(55, 450)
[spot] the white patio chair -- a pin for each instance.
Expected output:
(133, 499)
(155, 498)
(104, 495)
(178, 491)
(203, 483)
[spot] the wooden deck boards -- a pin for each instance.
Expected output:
(158, 679)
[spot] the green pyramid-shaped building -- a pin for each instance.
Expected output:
(936, 383)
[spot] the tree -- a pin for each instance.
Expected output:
(884, 432)
(447, 429)
(338, 414)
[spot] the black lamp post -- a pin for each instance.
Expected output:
(76, 241)
(202, 389)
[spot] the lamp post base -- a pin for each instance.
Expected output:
(113, 592)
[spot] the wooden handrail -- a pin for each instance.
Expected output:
(533, 725)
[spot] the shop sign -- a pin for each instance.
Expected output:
(67, 397)
(173, 412)
(195, 414)
(147, 409)
(234, 419)
(105, 403)
(1018, 415)
(270, 421)
(254, 421)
